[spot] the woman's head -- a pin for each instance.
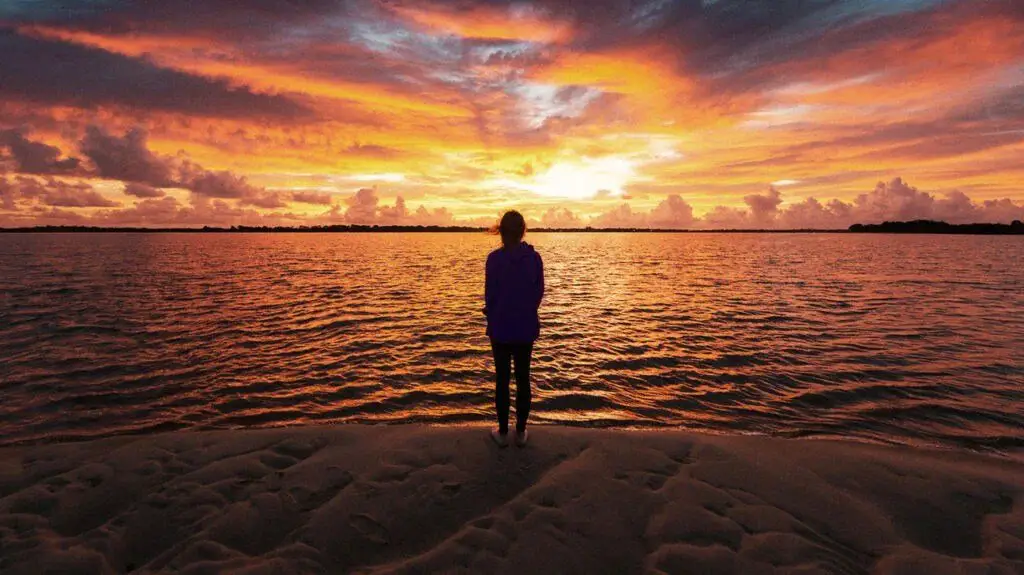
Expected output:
(512, 227)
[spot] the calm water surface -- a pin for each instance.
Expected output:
(911, 339)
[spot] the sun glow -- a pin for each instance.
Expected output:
(579, 180)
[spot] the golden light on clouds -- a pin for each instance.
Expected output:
(634, 111)
(578, 180)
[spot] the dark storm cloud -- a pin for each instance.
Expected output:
(235, 18)
(126, 158)
(226, 185)
(35, 157)
(47, 71)
(735, 45)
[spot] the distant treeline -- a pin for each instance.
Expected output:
(914, 227)
(933, 227)
(378, 229)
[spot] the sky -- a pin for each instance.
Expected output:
(610, 113)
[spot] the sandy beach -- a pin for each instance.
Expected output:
(416, 499)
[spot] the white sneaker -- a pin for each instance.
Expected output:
(521, 438)
(500, 438)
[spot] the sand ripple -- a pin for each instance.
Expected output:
(415, 499)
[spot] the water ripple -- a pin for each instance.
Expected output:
(888, 338)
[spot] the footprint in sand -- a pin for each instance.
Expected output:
(306, 499)
(277, 461)
(369, 527)
(298, 448)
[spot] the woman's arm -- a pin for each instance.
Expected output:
(489, 291)
(540, 280)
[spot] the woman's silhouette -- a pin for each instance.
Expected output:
(513, 288)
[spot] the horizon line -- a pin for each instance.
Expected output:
(914, 226)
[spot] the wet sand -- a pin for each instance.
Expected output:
(416, 499)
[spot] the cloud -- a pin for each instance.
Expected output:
(142, 190)
(217, 18)
(265, 199)
(9, 194)
(560, 218)
(524, 22)
(216, 184)
(764, 207)
(226, 185)
(308, 197)
(34, 200)
(894, 200)
(812, 214)
(58, 216)
(898, 201)
(672, 213)
(436, 217)
(126, 158)
(52, 192)
(462, 97)
(151, 211)
(621, 216)
(889, 201)
(724, 217)
(393, 215)
(362, 207)
(48, 71)
(75, 196)
(36, 157)
(372, 150)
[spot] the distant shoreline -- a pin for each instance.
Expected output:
(914, 227)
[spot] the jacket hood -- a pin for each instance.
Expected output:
(520, 251)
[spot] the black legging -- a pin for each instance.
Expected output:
(503, 356)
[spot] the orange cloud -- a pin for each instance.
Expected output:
(514, 23)
(178, 52)
(484, 108)
(950, 65)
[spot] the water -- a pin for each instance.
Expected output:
(908, 339)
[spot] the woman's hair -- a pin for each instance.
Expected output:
(511, 228)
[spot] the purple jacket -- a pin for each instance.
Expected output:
(513, 288)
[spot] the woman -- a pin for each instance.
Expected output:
(513, 288)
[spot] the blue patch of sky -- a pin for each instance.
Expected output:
(651, 13)
(379, 37)
(827, 14)
(540, 102)
(858, 10)
(387, 37)
(46, 10)
(510, 48)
